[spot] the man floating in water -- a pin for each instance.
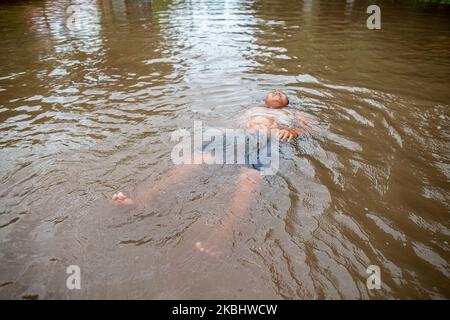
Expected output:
(273, 117)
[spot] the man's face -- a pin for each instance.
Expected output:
(276, 100)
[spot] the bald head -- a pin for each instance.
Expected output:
(276, 100)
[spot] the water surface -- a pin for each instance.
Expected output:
(87, 112)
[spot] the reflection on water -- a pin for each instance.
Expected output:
(89, 111)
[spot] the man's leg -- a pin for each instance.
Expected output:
(249, 182)
(177, 174)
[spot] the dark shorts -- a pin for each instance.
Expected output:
(253, 150)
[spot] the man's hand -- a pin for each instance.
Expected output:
(289, 134)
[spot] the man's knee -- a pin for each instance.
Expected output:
(251, 174)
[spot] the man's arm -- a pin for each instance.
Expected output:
(292, 133)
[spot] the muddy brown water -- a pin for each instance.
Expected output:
(87, 112)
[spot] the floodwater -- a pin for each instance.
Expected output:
(88, 111)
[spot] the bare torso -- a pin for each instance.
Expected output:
(264, 118)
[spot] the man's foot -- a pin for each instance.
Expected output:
(120, 198)
(217, 245)
(208, 248)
